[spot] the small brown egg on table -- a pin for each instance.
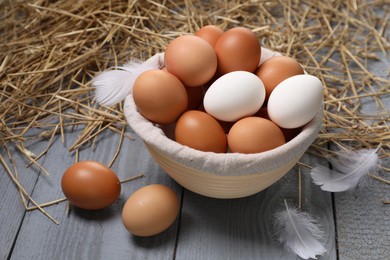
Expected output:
(159, 96)
(254, 135)
(238, 49)
(275, 70)
(210, 33)
(199, 130)
(150, 210)
(191, 59)
(90, 185)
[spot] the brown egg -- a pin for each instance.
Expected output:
(150, 210)
(289, 134)
(195, 98)
(210, 33)
(275, 70)
(159, 96)
(90, 185)
(254, 135)
(191, 59)
(238, 49)
(200, 131)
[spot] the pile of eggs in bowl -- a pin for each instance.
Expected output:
(219, 98)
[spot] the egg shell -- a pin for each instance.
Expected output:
(160, 96)
(150, 210)
(234, 95)
(90, 185)
(289, 134)
(275, 70)
(295, 101)
(254, 135)
(238, 49)
(210, 33)
(199, 130)
(191, 59)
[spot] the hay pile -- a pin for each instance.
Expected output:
(50, 50)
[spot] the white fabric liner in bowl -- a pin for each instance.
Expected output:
(223, 164)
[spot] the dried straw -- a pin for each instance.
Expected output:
(50, 50)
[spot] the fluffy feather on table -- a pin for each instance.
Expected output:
(298, 232)
(350, 168)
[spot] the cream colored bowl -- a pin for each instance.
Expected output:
(230, 175)
(222, 175)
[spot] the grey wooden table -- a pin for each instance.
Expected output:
(356, 223)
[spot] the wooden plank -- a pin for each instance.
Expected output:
(12, 210)
(242, 228)
(363, 223)
(93, 234)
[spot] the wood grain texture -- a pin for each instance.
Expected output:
(242, 228)
(12, 211)
(363, 222)
(208, 228)
(98, 234)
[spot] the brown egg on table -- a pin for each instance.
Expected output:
(254, 135)
(90, 185)
(275, 70)
(199, 130)
(160, 96)
(238, 49)
(191, 59)
(150, 210)
(210, 33)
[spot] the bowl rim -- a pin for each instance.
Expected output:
(224, 164)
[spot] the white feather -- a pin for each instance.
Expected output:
(350, 167)
(113, 86)
(299, 232)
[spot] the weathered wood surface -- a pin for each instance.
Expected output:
(206, 228)
(12, 211)
(358, 228)
(363, 220)
(85, 234)
(242, 228)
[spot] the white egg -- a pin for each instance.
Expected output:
(234, 95)
(295, 101)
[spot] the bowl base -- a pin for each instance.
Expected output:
(216, 186)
